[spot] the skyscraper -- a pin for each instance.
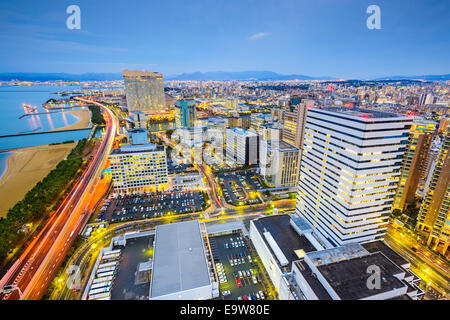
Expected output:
(434, 215)
(144, 91)
(185, 113)
(294, 121)
(349, 171)
(414, 161)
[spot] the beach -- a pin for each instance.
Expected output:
(26, 167)
(84, 119)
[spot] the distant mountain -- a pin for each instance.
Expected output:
(439, 77)
(213, 75)
(243, 75)
(24, 76)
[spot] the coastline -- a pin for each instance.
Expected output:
(84, 120)
(5, 165)
(25, 168)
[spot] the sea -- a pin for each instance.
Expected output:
(12, 99)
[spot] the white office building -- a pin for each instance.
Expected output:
(139, 167)
(349, 171)
(242, 146)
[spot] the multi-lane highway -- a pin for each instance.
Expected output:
(433, 269)
(39, 262)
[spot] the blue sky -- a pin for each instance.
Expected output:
(320, 37)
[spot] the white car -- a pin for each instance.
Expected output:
(261, 294)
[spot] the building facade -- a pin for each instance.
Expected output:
(434, 215)
(349, 171)
(279, 162)
(185, 113)
(144, 91)
(413, 167)
(242, 146)
(139, 167)
(294, 122)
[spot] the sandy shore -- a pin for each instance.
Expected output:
(84, 117)
(26, 167)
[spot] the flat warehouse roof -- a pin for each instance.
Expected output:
(179, 261)
(349, 277)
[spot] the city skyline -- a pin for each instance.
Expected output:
(291, 37)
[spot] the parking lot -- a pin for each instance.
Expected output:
(240, 277)
(150, 205)
(239, 188)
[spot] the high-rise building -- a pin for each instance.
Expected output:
(185, 113)
(349, 171)
(414, 162)
(430, 99)
(139, 119)
(144, 91)
(139, 167)
(434, 215)
(279, 162)
(242, 146)
(294, 121)
(422, 99)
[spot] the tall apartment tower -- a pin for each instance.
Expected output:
(434, 215)
(185, 113)
(294, 118)
(414, 162)
(349, 172)
(144, 91)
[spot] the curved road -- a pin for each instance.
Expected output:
(39, 262)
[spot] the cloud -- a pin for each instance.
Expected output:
(258, 36)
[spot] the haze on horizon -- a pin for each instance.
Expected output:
(320, 38)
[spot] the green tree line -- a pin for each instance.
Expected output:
(40, 200)
(97, 117)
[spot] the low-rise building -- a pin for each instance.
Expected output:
(302, 266)
(182, 267)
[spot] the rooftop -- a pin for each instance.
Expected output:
(312, 281)
(179, 260)
(349, 251)
(287, 239)
(243, 131)
(348, 278)
(137, 148)
(362, 113)
(375, 246)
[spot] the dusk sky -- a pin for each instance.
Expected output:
(315, 38)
